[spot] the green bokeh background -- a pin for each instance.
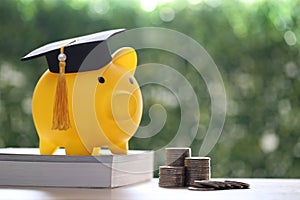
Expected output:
(254, 44)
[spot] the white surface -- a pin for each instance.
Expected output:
(287, 189)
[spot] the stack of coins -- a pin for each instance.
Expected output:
(197, 168)
(194, 172)
(170, 176)
(176, 156)
(173, 175)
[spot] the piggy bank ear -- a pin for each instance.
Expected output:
(126, 58)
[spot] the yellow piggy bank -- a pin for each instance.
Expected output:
(104, 101)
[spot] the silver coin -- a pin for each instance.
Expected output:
(207, 183)
(201, 189)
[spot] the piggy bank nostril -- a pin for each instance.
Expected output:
(131, 80)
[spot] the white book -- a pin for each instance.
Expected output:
(25, 167)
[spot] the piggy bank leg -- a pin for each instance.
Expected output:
(78, 149)
(96, 151)
(47, 148)
(121, 148)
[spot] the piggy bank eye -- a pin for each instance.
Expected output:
(131, 80)
(101, 79)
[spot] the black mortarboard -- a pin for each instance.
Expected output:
(78, 50)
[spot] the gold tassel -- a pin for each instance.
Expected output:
(61, 120)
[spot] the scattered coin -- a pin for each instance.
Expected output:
(201, 188)
(220, 185)
(228, 185)
(214, 184)
(238, 184)
(206, 184)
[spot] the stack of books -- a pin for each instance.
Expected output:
(25, 167)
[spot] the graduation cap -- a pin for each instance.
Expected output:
(79, 54)
(77, 51)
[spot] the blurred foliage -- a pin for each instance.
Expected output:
(254, 44)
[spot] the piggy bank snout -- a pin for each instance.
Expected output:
(124, 105)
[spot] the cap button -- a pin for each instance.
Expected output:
(62, 57)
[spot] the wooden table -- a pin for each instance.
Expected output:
(265, 189)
